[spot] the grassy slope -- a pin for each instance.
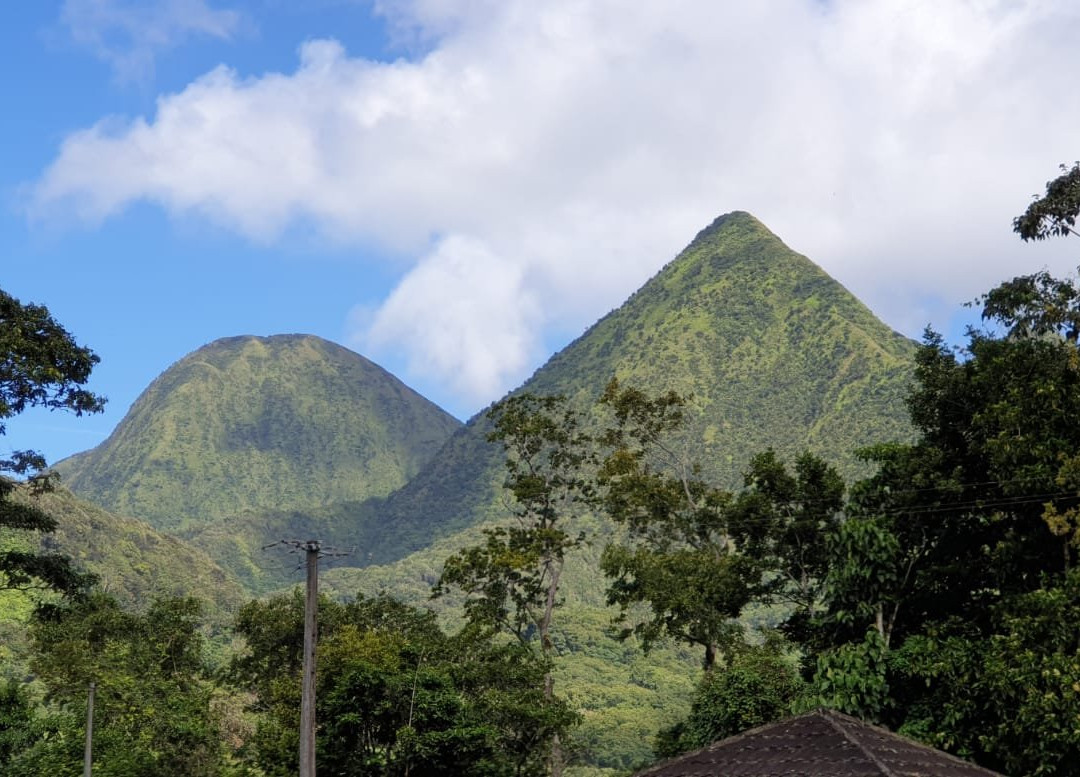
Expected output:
(135, 562)
(774, 351)
(284, 422)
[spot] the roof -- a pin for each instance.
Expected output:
(817, 744)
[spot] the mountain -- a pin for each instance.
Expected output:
(774, 352)
(249, 440)
(246, 423)
(134, 562)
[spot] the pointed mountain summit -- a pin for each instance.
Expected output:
(774, 351)
(282, 422)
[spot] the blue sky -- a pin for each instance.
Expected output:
(455, 189)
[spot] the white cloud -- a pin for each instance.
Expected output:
(130, 34)
(565, 150)
(464, 313)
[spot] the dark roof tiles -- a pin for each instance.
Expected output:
(822, 743)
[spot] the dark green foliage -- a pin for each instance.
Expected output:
(41, 365)
(288, 422)
(1011, 700)
(1054, 214)
(1035, 306)
(785, 519)
(395, 694)
(16, 721)
(754, 685)
(951, 592)
(152, 711)
(511, 580)
(965, 504)
(683, 553)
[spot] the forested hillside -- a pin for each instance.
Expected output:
(284, 422)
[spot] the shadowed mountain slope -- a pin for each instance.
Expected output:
(284, 422)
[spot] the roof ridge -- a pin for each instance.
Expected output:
(838, 724)
(887, 732)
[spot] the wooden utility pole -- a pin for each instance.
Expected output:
(307, 698)
(88, 751)
(312, 550)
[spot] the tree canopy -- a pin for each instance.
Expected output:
(396, 695)
(1054, 214)
(41, 365)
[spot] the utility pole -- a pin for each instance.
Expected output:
(88, 751)
(307, 697)
(312, 550)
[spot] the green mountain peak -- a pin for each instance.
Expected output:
(774, 352)
(282, 422)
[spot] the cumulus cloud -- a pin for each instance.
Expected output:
(562, 151)
(129, 35)
(479, 321)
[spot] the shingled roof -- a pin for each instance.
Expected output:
(822, 743)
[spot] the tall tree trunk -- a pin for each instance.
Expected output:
(555, 757)
(710, 656)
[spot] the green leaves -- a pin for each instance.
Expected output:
(40, 363)
(681, 555)
(852, 678)
(153, 710)
(1010, 699)
(951, 595)
(1054, 214)
(395, 694)
(511, 580)
(40, 366)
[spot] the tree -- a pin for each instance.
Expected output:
(511, 581)
(786, 520)
(954, 522)
(16, 720)
(41, 365)
(396, 695)
(758, 684)
(1053, 214)
(153, 712)
(950, 583)
(1010, 700)
(681, 555)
